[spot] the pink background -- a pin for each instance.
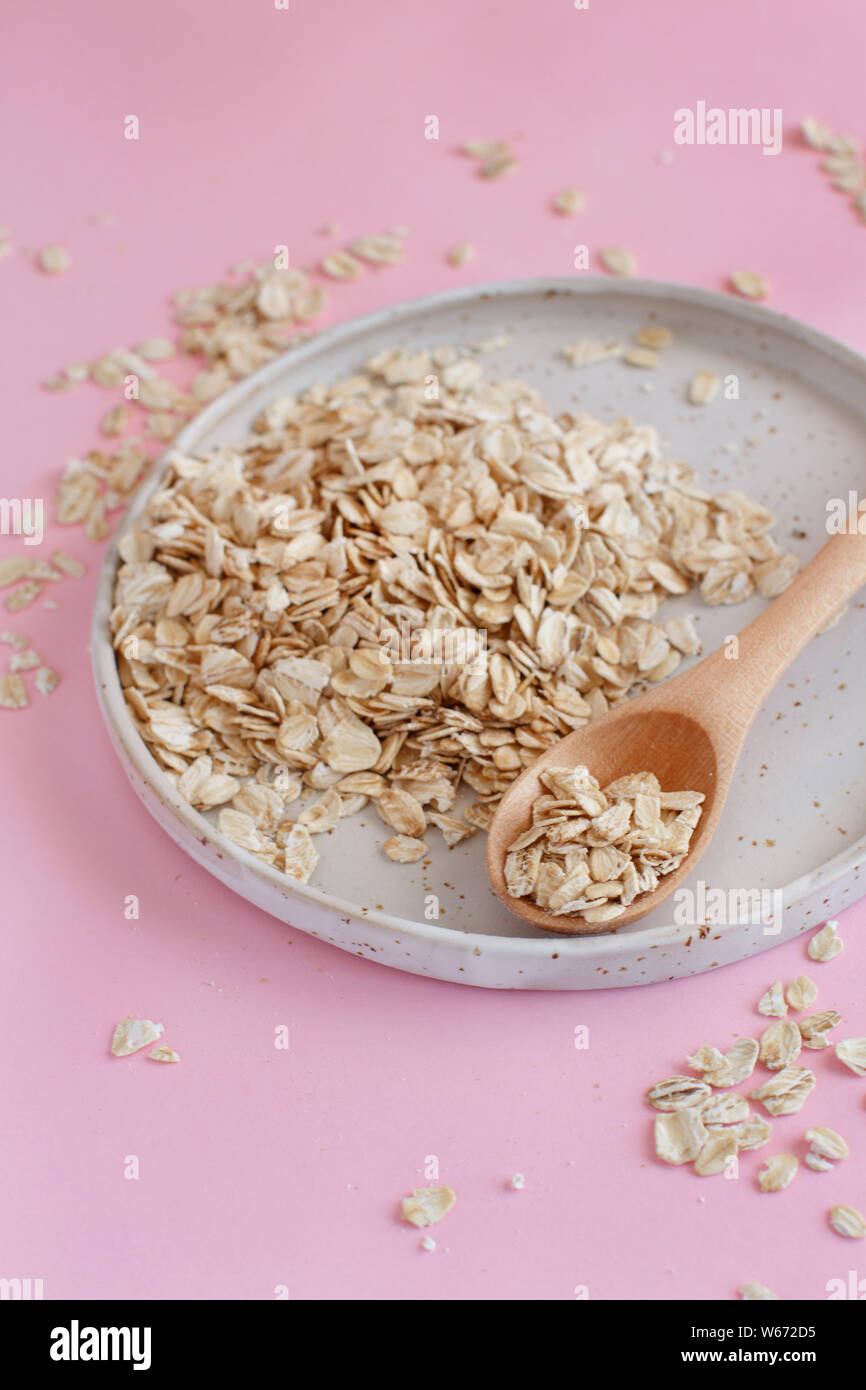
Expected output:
(260, 1167)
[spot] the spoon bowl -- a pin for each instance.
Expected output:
(631, 738)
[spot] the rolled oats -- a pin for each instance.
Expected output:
(779, 1172)
(404, 849)
(749, 284)
(815, 1028)
(593, 851)
(132, 1034)
(848, 1221)
(641, 357)
(13, 692)
(754, 1292)
(54, 260)
(717, 1153)
(826, 1147)
(703, 387)
(462, 253)
(680, 1136)
(679, 1093)
(772, 1004)
(617, 260)
(569, 201)
(736, 1065)
(427, 1205)
(780, 1044)
(752, 1133)
(801, 993)
(825, 944)
(852, 1052)
(786, 1092)
(654, 336)
(264, 596)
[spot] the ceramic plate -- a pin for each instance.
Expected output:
(794, 436)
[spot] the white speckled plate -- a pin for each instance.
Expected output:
(796, 816)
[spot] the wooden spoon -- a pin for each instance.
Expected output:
(690, 730)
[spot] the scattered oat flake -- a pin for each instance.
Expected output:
(62, 560)
(786, 1092)
(586, 351)
(116, 420)
(852, 1052)
(518, 1181)
(772, 1004)
(156, 349)
(483, 149)
(779, 1172)
(24, 661)
(46, 680)
(383, 250)
(717, 1153)
(617, 260)
(54, 260)
(825, 944)
(654, 336)
(755, 1291)
(405, 849)
(427, 1205)
(13, 568)
(569, 201)
(342, 265)
(132, 1034)
(737, 1064)
(749, 284)
(163, 1054)
(815, 1027)
(13, 692)
(23, 596)
(499, 166)
(678, 1093)
(641, 357)
(703, 387)
(780, 1044)
(848, 1221)
(680, 1136)
(752, 1133)
(462, 253)
(801, 992)
(815, 133)
(826, 1144)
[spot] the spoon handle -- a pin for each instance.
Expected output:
(740, 675)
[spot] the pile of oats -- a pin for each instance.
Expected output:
(304, 612)
(591, 852)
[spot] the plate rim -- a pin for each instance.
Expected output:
(104, 668)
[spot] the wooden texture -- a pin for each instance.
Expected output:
(689, 731)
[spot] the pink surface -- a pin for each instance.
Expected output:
(260, 1167)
